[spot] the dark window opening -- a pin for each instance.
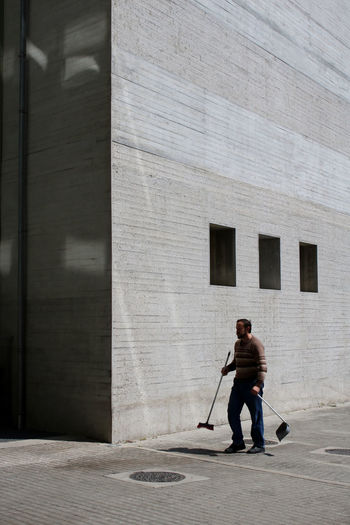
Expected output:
(222, 255)
(308, 267)
(269, 262)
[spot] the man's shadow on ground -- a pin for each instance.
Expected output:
(206, 452)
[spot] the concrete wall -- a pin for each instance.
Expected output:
(8, 205)
(235, 114)
(68, 264)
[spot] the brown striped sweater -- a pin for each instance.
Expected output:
(249, 361)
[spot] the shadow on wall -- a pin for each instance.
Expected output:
(68, 252)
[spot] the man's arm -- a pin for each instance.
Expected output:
(229, 368)
(261, 366)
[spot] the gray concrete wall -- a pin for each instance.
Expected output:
(8, 204)
(68, 265)
(229, 114)
(234, 114)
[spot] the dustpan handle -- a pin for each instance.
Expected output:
(273, 410)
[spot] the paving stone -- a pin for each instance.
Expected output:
(61, 482)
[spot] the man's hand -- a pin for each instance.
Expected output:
(225, 370)
(255, 390)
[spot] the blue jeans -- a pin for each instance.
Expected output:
(240, 394)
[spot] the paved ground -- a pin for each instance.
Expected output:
(63, 481)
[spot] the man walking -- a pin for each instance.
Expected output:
(250, 365)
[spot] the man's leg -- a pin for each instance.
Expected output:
(254, 405)
(234, 410)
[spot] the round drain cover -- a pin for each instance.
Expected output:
(157, 477)
(341, 451)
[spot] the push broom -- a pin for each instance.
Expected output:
(208, 425)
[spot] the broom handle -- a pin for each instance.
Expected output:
(217, 390)
(273, 410)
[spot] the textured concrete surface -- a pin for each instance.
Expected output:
(148, 121)
(234, 114)
(61, 481)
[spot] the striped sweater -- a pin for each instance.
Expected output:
(249, 361)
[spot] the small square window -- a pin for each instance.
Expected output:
(308, 267)
(269, 262)
(222, 255)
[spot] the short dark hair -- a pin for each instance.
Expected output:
(247, 324)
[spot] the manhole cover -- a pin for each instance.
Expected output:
(341, 451)
(157, 477)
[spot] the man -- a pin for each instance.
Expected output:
(250, 365)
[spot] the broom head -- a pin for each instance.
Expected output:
(208, 426)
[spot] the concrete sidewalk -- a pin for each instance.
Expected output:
(63, 481)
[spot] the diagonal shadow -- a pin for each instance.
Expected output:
(199, 451)
(206, 451)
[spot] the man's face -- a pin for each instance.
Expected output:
(241, 331)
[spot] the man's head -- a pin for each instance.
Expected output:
(243, 328)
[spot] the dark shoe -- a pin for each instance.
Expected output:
(255, 450)
(232, 449)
